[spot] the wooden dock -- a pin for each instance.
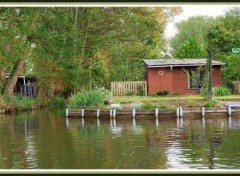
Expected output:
(228, 110)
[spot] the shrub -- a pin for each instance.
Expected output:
(130, 93)
(140, 90)
(3, 103)
(167, 106)
(164, 92)
(55, 101)
(204, 92)
(22, 102)
(136, 105)
(148, 105)
(211, 104)
(89, 99)
(221, 91)
(154, 94)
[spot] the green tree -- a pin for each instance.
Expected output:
(225, 34)
(195, 27)
(190, 49)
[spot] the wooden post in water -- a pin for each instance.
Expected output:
(67, 112)
(114, 113)
(111, 112)
(98, 113)
(133, 113)
(203, 112)
(82, 112)
(82, 121)
(156, 112)
(180, 111)
(229, 111)
(177, 112)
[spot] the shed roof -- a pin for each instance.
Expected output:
(179, 62)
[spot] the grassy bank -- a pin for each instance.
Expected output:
(124, 99)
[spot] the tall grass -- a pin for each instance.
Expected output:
(87, 100)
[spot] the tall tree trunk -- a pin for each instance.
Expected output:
(12, 81)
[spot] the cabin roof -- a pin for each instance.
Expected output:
(178, 62)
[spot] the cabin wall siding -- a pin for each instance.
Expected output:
(175, 80)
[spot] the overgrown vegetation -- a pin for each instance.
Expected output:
(55, 101)
(87, 100)
(221, 91)
(22, 102)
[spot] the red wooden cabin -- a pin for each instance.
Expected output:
(184, 76)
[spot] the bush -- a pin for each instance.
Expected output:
(221, 91)
(167, 106)
(211, 104)
(55, 101)
(89, 99)
(22, 102)
(136, 105)
(129, 93)
(140, 90)
(154, 94)
(164, 92)
(148, 105)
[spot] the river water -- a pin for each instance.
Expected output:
(46, 139)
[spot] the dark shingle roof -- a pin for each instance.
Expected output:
(179, 62)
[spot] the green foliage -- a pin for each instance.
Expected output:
(87, 100)
(130, 93)
(211, 104)
(225, 34)
(194, 27)
(162, 93)
(190, 49)
(55, 101)
(149, 105)
(221, 91)
(140, 90)
(167, 106)
(22, 102)
(204, 92)
(136, 105)
(176, 93)
(154, 94)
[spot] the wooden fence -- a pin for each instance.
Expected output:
(236, 88)
(123, 88)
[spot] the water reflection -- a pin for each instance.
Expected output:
(49, 140)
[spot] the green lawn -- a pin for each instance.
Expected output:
(119, 99)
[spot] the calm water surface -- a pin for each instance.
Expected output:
(46, 139)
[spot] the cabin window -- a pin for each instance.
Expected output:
(195, 78)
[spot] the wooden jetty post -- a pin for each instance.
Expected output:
(82, 112)
(156, 112)
(133, 113)
(98, 113)
(67, 112)
(229, 110)
(203, 112)
(111, 113)
(114, 113)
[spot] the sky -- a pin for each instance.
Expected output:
(195, 10)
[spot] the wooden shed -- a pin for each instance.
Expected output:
(183, 76)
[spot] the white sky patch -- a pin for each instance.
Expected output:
(196, 10)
